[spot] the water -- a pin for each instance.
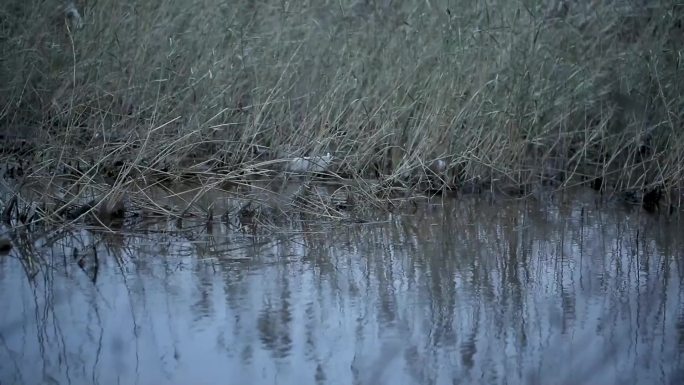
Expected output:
(463, 292)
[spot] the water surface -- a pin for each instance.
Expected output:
(565, 291)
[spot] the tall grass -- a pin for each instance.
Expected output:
(505, 92)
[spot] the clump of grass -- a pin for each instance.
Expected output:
(499, 92)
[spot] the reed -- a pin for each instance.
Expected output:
(498, 93)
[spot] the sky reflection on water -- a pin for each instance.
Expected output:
(467, 293)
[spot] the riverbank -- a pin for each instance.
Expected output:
(422, 97)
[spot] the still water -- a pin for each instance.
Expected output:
(460, 292)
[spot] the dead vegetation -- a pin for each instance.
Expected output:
(385, 99)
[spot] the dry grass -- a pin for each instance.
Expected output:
(505, 93)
